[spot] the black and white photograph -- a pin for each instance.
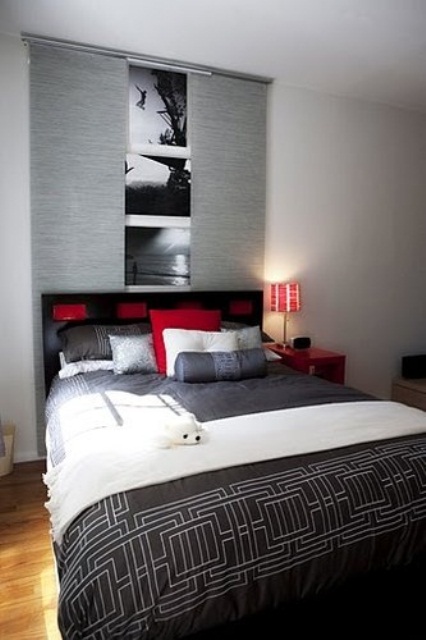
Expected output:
(157, 256)
(157, 107)
(157, 185)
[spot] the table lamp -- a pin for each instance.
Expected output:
(285, 298)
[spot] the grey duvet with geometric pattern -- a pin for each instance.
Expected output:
(170, 560)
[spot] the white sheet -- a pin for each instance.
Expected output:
(103, 461)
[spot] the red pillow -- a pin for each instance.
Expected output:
(198, 319)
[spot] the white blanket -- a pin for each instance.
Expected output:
(111, 459)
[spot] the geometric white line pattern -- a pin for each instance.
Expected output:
(160, 561)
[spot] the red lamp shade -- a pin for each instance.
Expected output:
(285, 296)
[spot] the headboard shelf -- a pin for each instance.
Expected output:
(69, 309)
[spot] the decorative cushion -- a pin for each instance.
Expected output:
(248, 337)
(228, 325)
(177, 340)
(199, 319)
(91, 341)
(251, 338)
(133, 354)
(216, 366)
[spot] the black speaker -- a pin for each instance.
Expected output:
(300, 342)
(413, 366)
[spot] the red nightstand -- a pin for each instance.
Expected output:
(317, 362)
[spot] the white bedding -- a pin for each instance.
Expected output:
(103, 458)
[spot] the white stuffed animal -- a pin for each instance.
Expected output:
(184, 429)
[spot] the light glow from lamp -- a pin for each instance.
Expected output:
(285, 298)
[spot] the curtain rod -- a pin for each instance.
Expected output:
(141, 59)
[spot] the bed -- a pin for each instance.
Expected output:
(297, 502)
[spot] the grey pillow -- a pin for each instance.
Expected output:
(91, 341)
(249, 338)
(133, 354)
(194, 366)
(239, 326)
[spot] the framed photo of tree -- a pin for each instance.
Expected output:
(158, 111)
(157, 185)
(157, 179)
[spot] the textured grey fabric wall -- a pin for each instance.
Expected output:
(78, 104)
(228, 142)
(78, 114)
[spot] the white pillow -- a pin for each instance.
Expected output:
(271, 356)
(177, 340)
(85, 366)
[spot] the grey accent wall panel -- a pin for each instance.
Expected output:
(78, 114)
(228, 148)
(78, 120)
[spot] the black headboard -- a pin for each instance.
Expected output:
(69, 309)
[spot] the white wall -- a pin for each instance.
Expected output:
(17, 402)
(345, 215)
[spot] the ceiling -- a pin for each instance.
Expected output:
(368, 49)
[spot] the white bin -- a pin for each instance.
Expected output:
(6, 462)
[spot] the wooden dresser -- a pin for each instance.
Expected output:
(410, 391)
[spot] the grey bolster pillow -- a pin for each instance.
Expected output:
(196, 366)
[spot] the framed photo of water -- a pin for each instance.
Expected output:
(158, 253)
(157, 180)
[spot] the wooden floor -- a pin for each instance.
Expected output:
(27, 574)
